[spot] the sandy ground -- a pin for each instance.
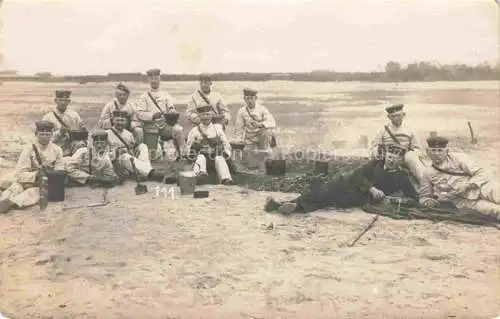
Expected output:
(223, 257)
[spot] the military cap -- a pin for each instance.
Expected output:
(203, 109)
(123, 88)
(205, 77)
(119, 113)
(44, 125)
(153, 72)
(100, 136)
(437, 142)
(394, 108)
(63, 94)
(395, 149)
(249, 92)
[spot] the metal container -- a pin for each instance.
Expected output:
(56, 185)
(187, 182)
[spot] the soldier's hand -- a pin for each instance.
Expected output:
(63, 130)
(120, 152)
(377, 193)
(157, 116)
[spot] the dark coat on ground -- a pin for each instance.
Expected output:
(353, 190)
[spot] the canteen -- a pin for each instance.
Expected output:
(56, 185)
(320, 167)
(275, 167)
(187, 182)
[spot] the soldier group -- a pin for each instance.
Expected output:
(131, 136)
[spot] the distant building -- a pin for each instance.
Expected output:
(281, 76)
(43, 74)
(8, 73)
(125, 76)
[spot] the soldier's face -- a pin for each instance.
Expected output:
(392, 160)
(44, 136)
(121, 96)
(205, 85)
(206, 117)
(154, 81)
(397, 118)
(437, 155)
(119, 122)
(62, 103)
(250, 100)
(99, 145)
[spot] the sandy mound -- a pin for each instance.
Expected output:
(154, 257)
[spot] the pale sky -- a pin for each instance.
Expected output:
(97, 37)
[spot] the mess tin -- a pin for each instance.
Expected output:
(171, 118)
(79, 135)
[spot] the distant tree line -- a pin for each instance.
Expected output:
(393, 72)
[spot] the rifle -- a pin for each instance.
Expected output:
(42, 171)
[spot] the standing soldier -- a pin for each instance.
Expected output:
(123, 147)
(205, 96)
(41, 155)
(120, 103)
(68, 125)
(453, 176)
(396, 132)
(207, 141)
(151, 108)
(255, 124)
(93, 165)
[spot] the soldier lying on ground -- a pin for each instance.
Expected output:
(123, 147)
(372, 181)
(207, 141)
(23, 190)
(65, 122)
(454, 177)
(92, 165)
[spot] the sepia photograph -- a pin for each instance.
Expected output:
(281, 159)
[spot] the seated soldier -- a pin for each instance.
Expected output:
(123, 147)
(397, 132)
(255, 124)
(121, 103)
(67, 124)
(206, 96)
(41, 155)
(207, 141)
(373, 181)
(92, 165)
(454, 177)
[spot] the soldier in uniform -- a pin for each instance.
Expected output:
(254, 123)
(120, 103)
(397, 132)
(65, 121)
(453, 176)
(205, 96)
(41, 155)
(150, 109)
(92, 165)
(371, 182)
(207, 141)
(123, 147)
